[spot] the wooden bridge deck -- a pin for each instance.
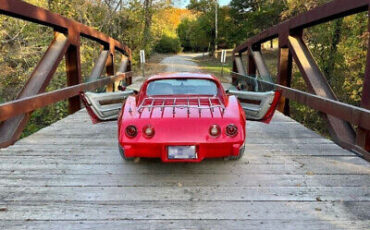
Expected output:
(70, 176)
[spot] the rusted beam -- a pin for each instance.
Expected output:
(318, 84)
(26, 11)
(124, 65)
(11, 130)
(129, 68)
(25, 105)
(353, 114)
(363, 134)
(73, 68)
(99, 66)
(251, 71)
(110, 71)
(327, 12)
(284, 77)
(252, 68)
(260, 64)
(239, 66)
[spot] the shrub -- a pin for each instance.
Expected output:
(168, 44)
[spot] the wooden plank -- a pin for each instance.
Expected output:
(178, 210)
(60, 176)
(315, 165)
(101, 158)
(187, 224)
(211, 164)
(186, 179)
(175, 193)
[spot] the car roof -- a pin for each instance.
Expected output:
(182, 75)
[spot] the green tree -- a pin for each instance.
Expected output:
(253, 16)
(201, 5)
(183, 31)
(168, 44)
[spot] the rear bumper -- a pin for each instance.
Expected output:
(204, 150)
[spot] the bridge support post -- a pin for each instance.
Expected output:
(363, 135)
(73, 66)
(99, 66)
(129, 66)
(340, 130)
(284, 77)
(110, 71)
(109, 65)
(252, 67)
(260, 63)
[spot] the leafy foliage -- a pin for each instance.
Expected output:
(22, 44)
(339, 47)
(168, 44)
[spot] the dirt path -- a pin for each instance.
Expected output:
(181, 63)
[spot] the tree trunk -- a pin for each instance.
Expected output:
(147, 22)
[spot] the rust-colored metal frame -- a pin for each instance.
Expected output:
(14, 115)
(292, 47)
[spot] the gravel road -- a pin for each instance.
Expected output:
(181, 63)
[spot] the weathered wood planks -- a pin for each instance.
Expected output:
(70, 176)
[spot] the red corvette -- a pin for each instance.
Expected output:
(184, 117)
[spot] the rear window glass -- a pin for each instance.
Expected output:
(181, 87)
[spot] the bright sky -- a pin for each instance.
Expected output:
(184, 3)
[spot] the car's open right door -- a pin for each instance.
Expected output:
(258, 98)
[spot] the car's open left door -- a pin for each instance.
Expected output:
(106, 106)
(258, 98)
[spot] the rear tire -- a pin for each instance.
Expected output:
(122, 153)
(238, 157)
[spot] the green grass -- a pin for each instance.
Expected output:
(213, 66)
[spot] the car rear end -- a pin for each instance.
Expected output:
(182, 128)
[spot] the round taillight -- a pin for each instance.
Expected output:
(131, 131)
(214, 130)
(148, 131)
(231, 130)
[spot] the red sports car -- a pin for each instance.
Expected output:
(183, 117)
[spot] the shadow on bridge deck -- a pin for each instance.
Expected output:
(70, 176)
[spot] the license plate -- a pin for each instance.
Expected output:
(182, 152)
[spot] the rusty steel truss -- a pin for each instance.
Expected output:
(339, 116)
(14, 115)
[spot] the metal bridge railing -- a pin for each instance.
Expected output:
(340, 116)
(14, 115)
